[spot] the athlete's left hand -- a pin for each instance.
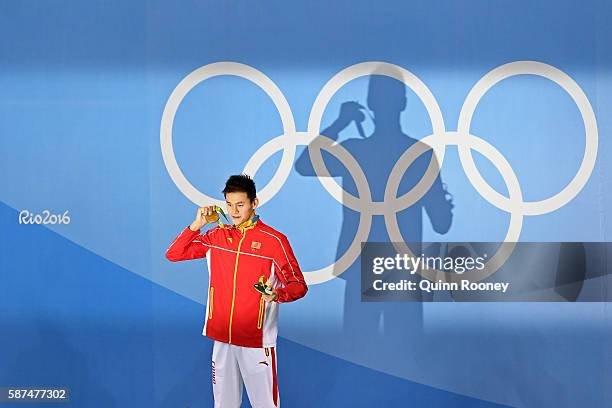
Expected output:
(271, 297)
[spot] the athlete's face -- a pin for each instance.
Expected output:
(239, 207)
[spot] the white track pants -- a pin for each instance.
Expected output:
(233, 366)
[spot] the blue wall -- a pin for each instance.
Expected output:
(93, 304)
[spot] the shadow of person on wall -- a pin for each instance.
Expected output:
(388, 323)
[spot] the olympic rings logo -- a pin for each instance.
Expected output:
(462, 138)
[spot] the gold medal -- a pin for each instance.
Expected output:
(214, 217)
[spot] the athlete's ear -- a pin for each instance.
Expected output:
(255, 202)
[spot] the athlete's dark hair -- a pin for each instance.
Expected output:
(240, 183)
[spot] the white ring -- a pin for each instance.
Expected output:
(516, 219)
(365, 215)
(328, 91)
(590, 123)
(177, 96)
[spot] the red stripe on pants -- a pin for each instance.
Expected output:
(274, 383)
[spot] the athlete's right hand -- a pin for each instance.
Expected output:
(351, 111)
(200, 219)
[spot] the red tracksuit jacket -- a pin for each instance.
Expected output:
(237, 257)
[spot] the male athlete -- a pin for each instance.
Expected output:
(240, 319)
